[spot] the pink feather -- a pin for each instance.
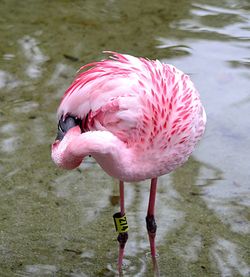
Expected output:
(144, 118)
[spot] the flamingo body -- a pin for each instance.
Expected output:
(139, 118)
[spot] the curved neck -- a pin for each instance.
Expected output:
(109, 151)
(95, 143)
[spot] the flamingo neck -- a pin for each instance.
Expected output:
(109, 151)
(94, 143)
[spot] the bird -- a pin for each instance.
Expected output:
(138, 118)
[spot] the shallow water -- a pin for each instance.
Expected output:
(59, 223)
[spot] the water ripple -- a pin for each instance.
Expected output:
(226, 255)
(34, 56)
(215, 21)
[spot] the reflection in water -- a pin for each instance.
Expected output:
(33, 55)
(206, 18)
(226, 255)
(40, 270)
(7, 81)
(59, 223)
(9, 144)
(191, 252)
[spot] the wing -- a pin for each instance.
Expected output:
(136, 99)
(107, 95)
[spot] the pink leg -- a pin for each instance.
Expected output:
(150, 219)
(122, 237)
(122, 205)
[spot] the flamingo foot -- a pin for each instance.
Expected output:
(151, 227)
(122, 239)
(155, 267)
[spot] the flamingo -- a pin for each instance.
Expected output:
(138, 118)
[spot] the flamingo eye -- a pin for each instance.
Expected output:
(65, 124)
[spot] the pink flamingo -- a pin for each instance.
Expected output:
(139, 119)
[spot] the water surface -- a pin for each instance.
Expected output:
(59, 223)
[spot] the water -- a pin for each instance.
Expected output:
(59, 223)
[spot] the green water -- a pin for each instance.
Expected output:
(59, 223)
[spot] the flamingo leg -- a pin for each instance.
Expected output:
(123, 236)
(150, 218)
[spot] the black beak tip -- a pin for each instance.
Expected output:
(60, 135)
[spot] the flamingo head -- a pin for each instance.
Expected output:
(69, 128)
(65, 124)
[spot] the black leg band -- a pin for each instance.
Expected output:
(151, 224)
(122, 239)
